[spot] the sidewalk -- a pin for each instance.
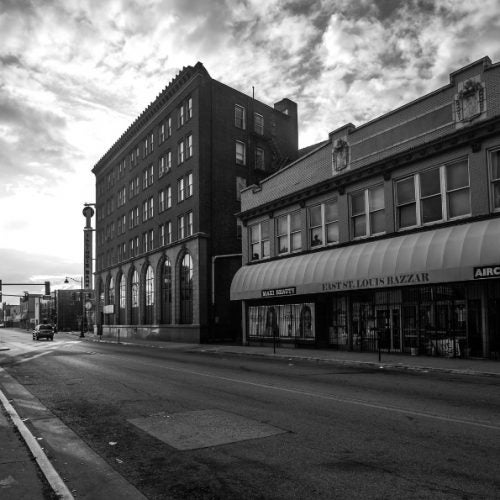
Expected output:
(388, 361)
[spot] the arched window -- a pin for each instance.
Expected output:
(134, 295)
(150, 296)
(186, 289)
(166, 292)
(110, 300)
(123, 299)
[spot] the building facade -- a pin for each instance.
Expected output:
(167, 239)
(388, 235)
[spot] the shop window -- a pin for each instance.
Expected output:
(289, 233)
(323, 223)
(123, 299)
(186, 290)
(294, 322)
(149, 298)
(134, 296)
(434, 195)
(495, 179)
(166, 292)
(367, 212)
(259, 241)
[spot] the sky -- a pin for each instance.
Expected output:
(74, 74)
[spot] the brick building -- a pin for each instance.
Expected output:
(167, 240)
(387, 235)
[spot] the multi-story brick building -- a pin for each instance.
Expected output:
(167, 240)
(388, 235)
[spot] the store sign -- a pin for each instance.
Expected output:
(395, 280)
(279, 292)
(108, 309)
(87, 258)
(487, 272)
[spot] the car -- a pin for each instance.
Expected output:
(43, 331)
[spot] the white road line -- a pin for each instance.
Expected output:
(342, 400)
(43, 462)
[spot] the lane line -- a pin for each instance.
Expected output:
(341, 400)
(43, 462)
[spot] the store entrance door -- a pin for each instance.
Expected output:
(388, 324)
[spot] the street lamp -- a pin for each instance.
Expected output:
(82, 335)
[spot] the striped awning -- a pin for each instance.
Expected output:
(441, 255)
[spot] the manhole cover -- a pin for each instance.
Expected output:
(203, 428)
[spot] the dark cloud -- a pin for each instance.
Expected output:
(19, 266)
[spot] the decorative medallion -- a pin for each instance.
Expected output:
(470, 100)
(340, 155)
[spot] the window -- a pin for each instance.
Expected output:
(133, 158)
(151, 175)
(189, 108)
(189, 146)
(186, 290)
(122, 197)
(132, 247)
(145, 210)
(165, 130)
(145, 178)
(180, 190)
(188, 223)
(165, 164)
(134, 295)
(288, 233)
(180, 227)
(161, 233)
(323, 223)
(180, 116)
(166, 292)
(240, 153)
(239, 116)
(188, 185)
(259, 241)
(161, 201)
(259, 159)
(434, 195)
(151, 237)
(123, 299)
(258, 121)
(180, 152)
(149, 295)
(168, 233)
(367, 212)
(145, 242)
(495, 178)
(134, 187)
(151, 208)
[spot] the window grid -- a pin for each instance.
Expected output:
(434, 195)
(239, 116)
(240, 153)
(289, 233)
(495, 178)
(258, 124)
(259, 241)
(368, 212)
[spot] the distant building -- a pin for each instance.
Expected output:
(167, 241)
(70, 308)
(11, 315)
(388, 235)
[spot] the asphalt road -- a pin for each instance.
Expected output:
(182, 425)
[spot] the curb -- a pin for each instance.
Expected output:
(371, 364)
(48, 470)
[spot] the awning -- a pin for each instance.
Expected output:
(436, 256)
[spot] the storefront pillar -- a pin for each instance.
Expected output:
(485, 331)
(243, 322)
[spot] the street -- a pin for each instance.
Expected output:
(178, 424)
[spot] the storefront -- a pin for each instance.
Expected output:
(435, 292)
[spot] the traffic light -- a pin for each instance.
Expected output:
(47, 288)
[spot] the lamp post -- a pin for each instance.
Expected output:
(82, 335)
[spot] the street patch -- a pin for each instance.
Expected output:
(203, 428)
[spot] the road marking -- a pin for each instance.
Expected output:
(341, 400)
(49, 350)
(54, 479)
